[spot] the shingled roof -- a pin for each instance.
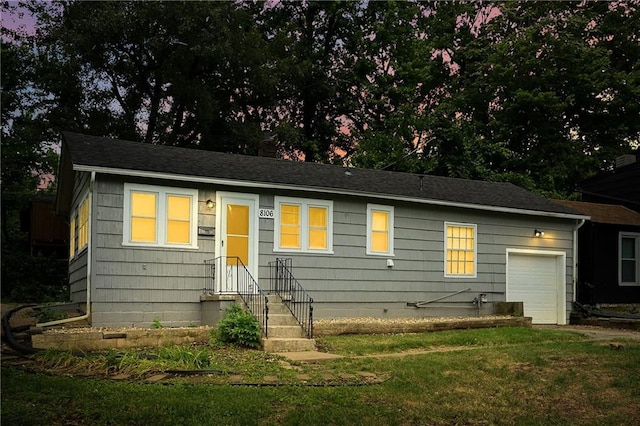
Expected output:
(612, 214)
(114, 156)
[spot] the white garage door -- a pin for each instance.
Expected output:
(537, 280)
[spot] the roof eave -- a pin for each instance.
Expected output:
(265, 185)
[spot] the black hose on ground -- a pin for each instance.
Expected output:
(8, 331)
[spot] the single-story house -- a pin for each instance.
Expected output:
(608, 254)
(146, 222)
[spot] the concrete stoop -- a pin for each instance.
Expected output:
(285, 334)
(275, 344)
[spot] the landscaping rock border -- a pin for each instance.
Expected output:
(336, 327)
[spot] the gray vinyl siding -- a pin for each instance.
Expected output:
(78, 264)
(132, 286)
(351, 283)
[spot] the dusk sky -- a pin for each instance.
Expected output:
(20, 19)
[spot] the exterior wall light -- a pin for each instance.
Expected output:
(538, 233)
(210, 204)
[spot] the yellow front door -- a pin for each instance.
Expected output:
(237, 234)
(236, 238)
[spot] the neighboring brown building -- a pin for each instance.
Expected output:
(608, 253)
(48, 233)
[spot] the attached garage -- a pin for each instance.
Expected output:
(537, 278)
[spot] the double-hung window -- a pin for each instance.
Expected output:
(160, 216)
(629, 259)
(303, 225)
(79, 228)
(379, 230)
(460, 258)
(83, 224)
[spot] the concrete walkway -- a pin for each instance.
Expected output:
(309, 356)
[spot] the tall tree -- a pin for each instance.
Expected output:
(537, 93)
(313, 45)
(178, 73)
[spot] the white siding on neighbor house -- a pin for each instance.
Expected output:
(132, 286)
(352, 283)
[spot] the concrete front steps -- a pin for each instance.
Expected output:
(284, 332)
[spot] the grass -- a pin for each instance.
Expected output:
(524, 377)
(367, 344)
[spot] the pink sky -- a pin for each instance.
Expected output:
(17, 19)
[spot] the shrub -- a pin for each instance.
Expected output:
(239, 327)
(46, 314)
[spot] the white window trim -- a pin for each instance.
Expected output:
(636, 236)
(379, 208)
(475, 250)
(304, 204)
(161, 218)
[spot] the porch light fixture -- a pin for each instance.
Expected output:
(538, 233)
(210, 204)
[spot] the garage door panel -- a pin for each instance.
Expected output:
(534, 280)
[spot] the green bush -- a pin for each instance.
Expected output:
(46, 314)
(239, 327)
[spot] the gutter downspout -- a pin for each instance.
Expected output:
(575, 257)
(87, 314)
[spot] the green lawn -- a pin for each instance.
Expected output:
(504, 376)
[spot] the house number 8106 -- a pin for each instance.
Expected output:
(266, 213)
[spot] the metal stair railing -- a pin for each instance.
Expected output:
(227, 274)
(293, 295)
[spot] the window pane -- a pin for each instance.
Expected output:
(178, 208)
(317, 228)
(628, 271)
(317, 239)
(178, 232)
(628, 248)
(143, 204)
(290, 226)
(380, 221)
(318, 217)
(380, 242)
(143, 229)
(455, 243)
(290, 241)
(469, 268)
(289, 214)
(237, 219)
(237, 247)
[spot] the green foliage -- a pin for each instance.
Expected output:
(215, 341)
(27, 278)
(371, 344)
(157, 324)
(239, 327)
(542, 94)
(26, 155)
(186, 357)
(46, 314)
